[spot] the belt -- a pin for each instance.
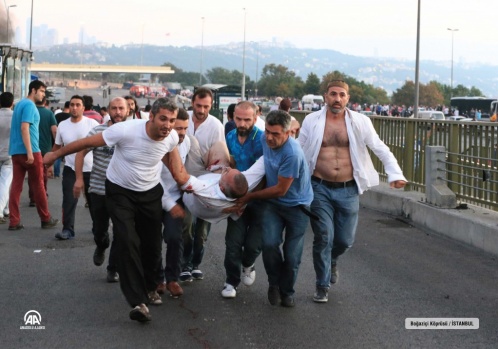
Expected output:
(334, 185)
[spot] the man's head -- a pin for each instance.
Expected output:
(6, 100)
(202, 100)
(36, 90)
(88, 102)
(233, 183)
(162, 118)
(103, 111)
(118, 109)
(337, 96)
(277, 128)
(285, 105)
(230, 111)
(76, 107)
(181, 124)
(132, 105)
(66, 107)
(244, 117)
(294, 128)
(259, 110)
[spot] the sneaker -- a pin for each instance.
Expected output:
(334, 274)
(52, 222)
(248, 275)
(112, 276)
(140, 313)
(273, 295)
(3, 220)
(288, 302)
(155, 298)
(186, 276)
(321, 295)
(65, 234)
(99, 256)
(228, 291)
(161, 288)
(174, 289)
(16, 227)
(197, 274)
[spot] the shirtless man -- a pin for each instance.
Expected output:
(335, 140)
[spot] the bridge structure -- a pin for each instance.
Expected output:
(98, 68)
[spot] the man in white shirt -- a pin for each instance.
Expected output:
(70, 130)
(134, 196)
(6, 102)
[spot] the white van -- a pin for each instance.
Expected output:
(312, 102)
(431, 114)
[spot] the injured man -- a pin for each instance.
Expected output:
(209, 195)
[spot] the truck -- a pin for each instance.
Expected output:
(312, 102)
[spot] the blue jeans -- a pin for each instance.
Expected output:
(334, 233)
(193, 243)
(57, 167)
(282, 269)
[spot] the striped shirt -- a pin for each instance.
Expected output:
(101, 158)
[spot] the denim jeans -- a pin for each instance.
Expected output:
(57, 167)
(281, 268)
(193, 243)
(334, 233)
(5, 181)
(243, 243)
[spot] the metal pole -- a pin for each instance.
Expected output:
(256, 83)
(244, 61)
(451, 81)
(31, 26)
(202, 51)
(415, 108)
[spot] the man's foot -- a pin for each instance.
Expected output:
(3, 220)
(64, 235)
(273, 295)
(52, 222)
(248, 275)
(140, 313)
(321, 295)
(174, 289)
(161, 288)
(186, 276)
(334, 274)
(32, 204)
(16, 227)
(288, 302)
(197, 274)
(99, 256)
(112, 276)
(155, 298)
(228, 291)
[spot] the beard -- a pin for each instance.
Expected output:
(244, 132)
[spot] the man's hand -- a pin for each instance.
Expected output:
(30, 159)
(236, 208)
(397, 184)
(78, 187)
(177, 212)
(49, 158)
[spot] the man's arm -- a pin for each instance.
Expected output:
(26, 139)
(173, 162)
(79, 184)
(53, 128)
(73, 147)
(276, 191)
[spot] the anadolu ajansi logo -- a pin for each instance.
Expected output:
(32, 321)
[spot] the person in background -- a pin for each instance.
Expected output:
(133, 109)
(6, 103)
(89, 112)
(230, 125)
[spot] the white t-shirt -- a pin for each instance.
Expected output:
(136, 162)
(172, 191)
(68, 132)
(207, 133)
(260, 123)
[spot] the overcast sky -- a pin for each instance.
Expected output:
(381, 28)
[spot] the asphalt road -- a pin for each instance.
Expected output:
(393, 272)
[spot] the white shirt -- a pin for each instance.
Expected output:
(5, 122)
(361, 134)
(208, 201)
(137, 158)
(172, 191)
(207, 133)
(260, 123)
(68, 132)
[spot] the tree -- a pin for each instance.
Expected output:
(312, 84)
(277, 80)
(405, 95)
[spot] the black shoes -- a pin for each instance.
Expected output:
(273, 295)
(334, 274)
(16, 227)
(140, 313)
(50, 223)
(321, 295)
(112, 276)
(99, 256)
(288, 302)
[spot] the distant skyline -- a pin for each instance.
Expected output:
(382, 28)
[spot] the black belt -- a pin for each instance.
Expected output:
(334, 185)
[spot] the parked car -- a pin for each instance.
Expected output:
(458, 118)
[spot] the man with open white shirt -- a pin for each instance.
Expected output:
(70, 130)
(134, 196)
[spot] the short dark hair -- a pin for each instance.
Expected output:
(66, 104)
(182, 114)
(6, 100)
(36, 84)
(279, 117)
(202, 92)
(163, 103)
(230, 111)
(77, 97)
(88, 102)
(285, 104)
(239, 188)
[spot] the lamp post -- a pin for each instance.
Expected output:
(243, 94)
(256, 80)
(417, 64)
(451, 81)
(31, 26)
(8, 21)
(202, 51)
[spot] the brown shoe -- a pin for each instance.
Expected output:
(175, 289)
(161, 288)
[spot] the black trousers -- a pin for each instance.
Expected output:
(100, 216)
(137, 220)
(69, 202)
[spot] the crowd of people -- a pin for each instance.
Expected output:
(169, 174)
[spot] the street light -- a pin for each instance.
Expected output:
(202, 51)
(31, 26)
(244, 60)
(451, 81)
(8, 20)
(256, 81)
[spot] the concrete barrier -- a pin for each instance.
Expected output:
(475, 226)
